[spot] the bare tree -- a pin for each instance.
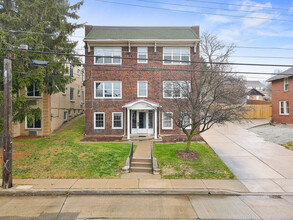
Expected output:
(211, 95)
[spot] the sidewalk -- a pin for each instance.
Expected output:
(138, 186)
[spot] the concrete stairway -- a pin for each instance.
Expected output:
(141, 165)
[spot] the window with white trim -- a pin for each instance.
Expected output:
(117, 120)
(142, 89)
(78, 93)
(69, 112)
(71, 94)
(186, 120)
(64, 90)
(33, 123)
(82, 97)
(142, 55)
(167, 120)
(108, 90)
(284, 107)
(99, 120)
(176, 89)
(286, 84)
(176, 55)
(108, 55)
(32, 91)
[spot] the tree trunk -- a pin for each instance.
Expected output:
(188, 143)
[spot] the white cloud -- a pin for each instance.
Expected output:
(218, 19)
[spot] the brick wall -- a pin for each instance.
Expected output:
(278, 94)
(129, 78)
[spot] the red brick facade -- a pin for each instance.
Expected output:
(129, 77)
(278, 94)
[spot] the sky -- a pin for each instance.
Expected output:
(244, 23)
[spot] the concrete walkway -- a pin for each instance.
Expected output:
(143, 149)
(260, 165)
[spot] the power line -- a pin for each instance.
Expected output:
(153, 59)
(193, 12)
(223, 9)
(249, 5)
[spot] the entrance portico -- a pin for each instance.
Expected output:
(142, 117)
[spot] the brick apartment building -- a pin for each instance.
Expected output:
(128, 70)
(282, 97)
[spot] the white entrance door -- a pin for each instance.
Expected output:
(141, 122)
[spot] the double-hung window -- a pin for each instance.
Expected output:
(167, 120)
(185, 120)
(284, 107)
(72, 94)
(142, 55)
(108, 89)
(117, 120)
(82, 97)
(32, 91)
(65, 116)
(108, 55)
(176, 55)
(142, 89)
(33, 123)
(99, 120)
(176, 89)
(286, 84)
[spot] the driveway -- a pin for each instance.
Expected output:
(250, 157)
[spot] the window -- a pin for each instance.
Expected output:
(65, 116)
(117, 120)
(284, 107)
(33, 123)
(142, 89)
(167, 120)
(176, 55)
(32, 91)
(99, 120)
(110, 55)
(72, 94)
(78, 92)
(108, 90)
(71, 71)
(82, 97)
(177, 89)
(186, 121)
(286, 84)
(69, 112)
(150, 119)
(82, 75)
(142, 54)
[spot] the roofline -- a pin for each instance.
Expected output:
(281, 77)
(142, 26)
(140, 40)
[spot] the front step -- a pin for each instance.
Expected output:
(141, 160)
(144, 164)
(141, 165)
(141, 170)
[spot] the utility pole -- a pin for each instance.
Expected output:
(7, 140)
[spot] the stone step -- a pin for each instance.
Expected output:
(141, 170)
(141, 160)
(138, 164)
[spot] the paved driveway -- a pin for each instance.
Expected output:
(249, 157)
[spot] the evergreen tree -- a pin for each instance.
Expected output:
(45, 26)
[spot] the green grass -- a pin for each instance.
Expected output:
(208, 166)
(61, 156)
(289, 145)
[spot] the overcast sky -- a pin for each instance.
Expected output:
(244, 31)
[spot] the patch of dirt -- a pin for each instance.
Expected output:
(169, 171)
(185, 169)
(187, 155)
(179, 138)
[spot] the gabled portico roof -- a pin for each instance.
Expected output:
(142, 104)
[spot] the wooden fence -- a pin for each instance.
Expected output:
(259, 111)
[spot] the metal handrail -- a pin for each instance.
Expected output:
(152, 157)
(130, 155)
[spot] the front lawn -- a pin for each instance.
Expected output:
(208, 166)
(62, 156)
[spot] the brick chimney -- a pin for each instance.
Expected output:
(88, 28)
(196, 30)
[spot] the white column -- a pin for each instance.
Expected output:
(128, 123)
(156, 125)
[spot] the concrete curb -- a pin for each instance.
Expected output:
(62, 192)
